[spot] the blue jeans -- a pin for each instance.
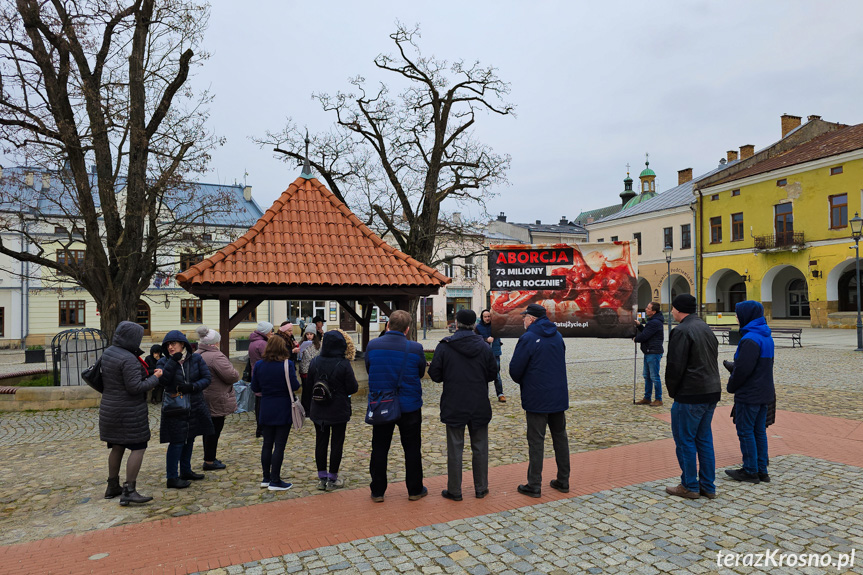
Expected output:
(693, 439)
(498, 384)
(651, 375)
(179, 453)
(751, 421)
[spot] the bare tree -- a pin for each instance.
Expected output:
(94, 98)
(397, 160)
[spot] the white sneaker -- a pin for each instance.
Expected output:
(279, 486)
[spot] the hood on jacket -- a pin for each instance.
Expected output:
(337, 343)
(175, 335)
(750, 314)
(466, 342)
(155, 348)
(657, 317)
(543, 326)
(255, 336)
(128, 336)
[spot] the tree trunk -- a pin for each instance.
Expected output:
(117, 305)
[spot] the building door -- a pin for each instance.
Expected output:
(784, 222)
(798, 299)
(736, 294)
(454, 304)
(346, 320)
(143, 316)
(848, 290)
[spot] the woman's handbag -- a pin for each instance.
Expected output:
(93, 376)
(176, 404)
(298, 414)
(384, 406)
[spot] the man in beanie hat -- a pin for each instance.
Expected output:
(539, 365)
(465, 364)
(692, 379)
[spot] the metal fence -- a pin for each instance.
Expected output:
(73, 351)
(780, 240)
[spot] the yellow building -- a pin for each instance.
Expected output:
(774, 227)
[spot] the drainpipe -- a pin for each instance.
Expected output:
(695, 252)
(25, 286)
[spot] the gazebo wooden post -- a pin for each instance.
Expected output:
(224, 325)
(366, 323)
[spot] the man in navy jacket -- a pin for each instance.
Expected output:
(395, 362)
(751, 382)
(650, 338)
(538, 364)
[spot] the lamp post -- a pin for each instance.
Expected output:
(857, 233)
(667, 252)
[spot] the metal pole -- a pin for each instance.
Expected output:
(859, 322)
(424, 320)
(670, 317)
(634, 371)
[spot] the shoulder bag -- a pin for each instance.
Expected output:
(93, 376)
(384, 405)
(298, 414)
(176, 404)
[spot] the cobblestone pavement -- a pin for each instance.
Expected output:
(53, 470)
(812, 507)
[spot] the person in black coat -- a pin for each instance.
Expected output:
(650, 337)
(152, 360)
(183, 371)
(332, 366)
(123, 415)
(465, 364)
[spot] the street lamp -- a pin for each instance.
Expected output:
(667, 252)
(857, 233)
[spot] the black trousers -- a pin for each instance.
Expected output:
(306, 397)
(536, 424)
(211, 442)
(410, 426)
(322, 438)
(273, 450)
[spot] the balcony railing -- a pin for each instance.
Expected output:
(782, 240)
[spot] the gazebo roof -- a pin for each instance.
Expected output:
(309, 242)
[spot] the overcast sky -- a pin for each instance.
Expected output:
(595, 85)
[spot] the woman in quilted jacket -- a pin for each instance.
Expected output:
(123, 415)
(219, 395)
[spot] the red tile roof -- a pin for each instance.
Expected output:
(843, 140)
(310, 238)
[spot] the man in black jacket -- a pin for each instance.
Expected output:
(465, 364)
(692, 379)
(650, 337)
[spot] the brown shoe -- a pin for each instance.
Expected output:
(501, 398)
(656, 403)
(644, 401)
(681, 491)
(704, 493)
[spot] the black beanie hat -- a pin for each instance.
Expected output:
(466, 316)
(684, 303)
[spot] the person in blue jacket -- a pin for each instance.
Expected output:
(650, 337)
(751, 382)
(483, 328)
(395, 362)
(538, 364)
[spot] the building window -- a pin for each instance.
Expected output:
(71, 257)
(685, 237)
(636, 237)
(714, 197)
(784, 223)
(207, 237)
(716, 230)
(668, 237)
(60, 230)
(836, 171)
(253, 315)
(191, 311)
(447, 268)
(187, 260)
(72, 312)
(781, 182)
(737, 227)
(839, 211)
(614, 238)
(735, 192)
(600, 240)
(469, 268)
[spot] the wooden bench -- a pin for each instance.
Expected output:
(721, 332)
(792, 333)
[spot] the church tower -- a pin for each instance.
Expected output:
(627, 193)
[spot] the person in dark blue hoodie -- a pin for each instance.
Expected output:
(650, 337)
(751, 382)
(483, 328)
(538, 364)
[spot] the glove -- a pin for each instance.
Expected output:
(729, 365)
(185, 388)
(177, 356)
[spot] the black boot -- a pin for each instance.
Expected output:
(114, 488)
(132, 496)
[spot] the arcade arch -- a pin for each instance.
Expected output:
(786, 288)
(725, 289)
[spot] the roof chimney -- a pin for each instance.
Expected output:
(813, 118)
(501, 217)
(684, 175)
(563, 221)
(247, 193)
(731, 155)
(538, 222)
(747, 151)
(789, 123)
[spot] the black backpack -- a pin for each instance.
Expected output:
(321, 391)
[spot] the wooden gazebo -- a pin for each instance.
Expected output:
(309, 245)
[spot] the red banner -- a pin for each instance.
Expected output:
(588, 290)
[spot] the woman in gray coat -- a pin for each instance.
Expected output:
(123, 416)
